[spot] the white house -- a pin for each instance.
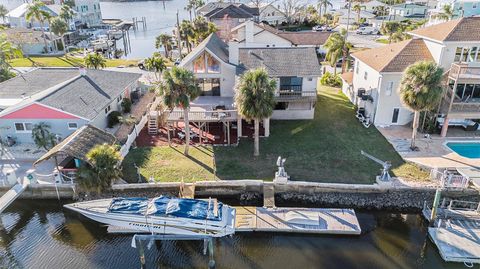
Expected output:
(17, 17)
(460, 8)
(371, 6)
(31, 42)
(453, 45)
(89, 13)
(408, 10)
(271, 14)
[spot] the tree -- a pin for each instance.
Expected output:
(36, 11)
(95, 60)
(101, 168)
(66, 12)
(157, 64)
(291, 8)
(255, 99)
(390, 28)
(3, 12)
(358, 8)
(323, 4)
(187, 33)
(337, 47)
(177, 89)
(380, 10)
(7, 52)
(59, 27)
(202, 29)
(42, 136)
(446, 14)
(165, 41)
(420, 90)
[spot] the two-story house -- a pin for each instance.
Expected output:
(64, 98)
(17, 17)
(270, 14)
(454, 46)
(460, 8)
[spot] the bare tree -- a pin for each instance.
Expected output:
(291, 8)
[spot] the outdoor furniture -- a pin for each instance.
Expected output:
(468, 125)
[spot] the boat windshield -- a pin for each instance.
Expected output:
(136, 206)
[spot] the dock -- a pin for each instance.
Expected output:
(12, 194)
(297, 220)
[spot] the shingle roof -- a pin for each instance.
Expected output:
(216, 6)
(463, 29)
(21, 36)
(232, 11)
(79, 143)
(87, 96)
(214, 44)
(395, 57)
(306, 38)
(280, 61)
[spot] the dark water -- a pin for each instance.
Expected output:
(41, 234)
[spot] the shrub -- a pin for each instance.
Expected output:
(126, 105)
(6, 74)
(328, 79)
(112, 118)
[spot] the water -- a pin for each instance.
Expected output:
(41, 234)
(465, 149)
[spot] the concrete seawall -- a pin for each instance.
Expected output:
(250, 192)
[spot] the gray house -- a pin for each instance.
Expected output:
(64, 98)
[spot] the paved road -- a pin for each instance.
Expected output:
(364, 41)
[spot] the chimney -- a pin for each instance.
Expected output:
(249, 31)
(82, 71)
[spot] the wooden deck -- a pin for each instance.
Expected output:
(297, 220)
(457, 245)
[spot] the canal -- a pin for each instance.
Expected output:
(42, 234)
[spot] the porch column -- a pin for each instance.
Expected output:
(443, 133)
(239, 126)
(266, 127)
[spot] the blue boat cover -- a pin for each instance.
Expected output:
(166, 206)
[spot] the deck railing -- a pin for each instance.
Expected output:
(287, 95)
(214, 115)
(464, 70)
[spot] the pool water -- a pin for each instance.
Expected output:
(466, 149)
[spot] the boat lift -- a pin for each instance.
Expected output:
(385, 175)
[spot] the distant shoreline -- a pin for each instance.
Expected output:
(121, 1)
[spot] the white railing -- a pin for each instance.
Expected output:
(448, 179)
(133, 135)
(215, 115)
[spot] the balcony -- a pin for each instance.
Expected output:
(295, 94)
(198, 114)
(464, 71)
(469, 108)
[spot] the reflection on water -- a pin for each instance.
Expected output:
(42, 234)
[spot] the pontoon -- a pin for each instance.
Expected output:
(161, 215)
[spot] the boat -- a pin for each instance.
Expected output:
(161, 215)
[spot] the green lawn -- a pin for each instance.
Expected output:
(326, 149)
(169, 164)
(64, 62)
(382, 40)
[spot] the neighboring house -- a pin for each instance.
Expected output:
(460, 8)
(89, 13)
(29, 41)
(343, 17)
(64, 98)
(409, 10)
(372, 6)
(453, 45)
(17, 17)
(271, 14)
(217, 66)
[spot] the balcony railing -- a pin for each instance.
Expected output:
(463, 70)
(289, 95)
(466, 107)
(202, 116)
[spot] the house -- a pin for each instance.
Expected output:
(373, 84)
(271, 14)
(460, 8)
(17, 17)
(29, 41)
(64, 98)
(344, 18)
(373, 5)
(89, 13)
(409, 10)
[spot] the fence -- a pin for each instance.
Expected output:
(133, 135)
(448, 179)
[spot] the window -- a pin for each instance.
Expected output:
(209, 86)
(290, 83)
(467, 54)
(310, 79)
(72, 126)
(119, 98)
(389, 89)
(23, 127)
(281, 106)
(107, 109)
(365, 76)
(396, 111)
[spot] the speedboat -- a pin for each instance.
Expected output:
(161, 215)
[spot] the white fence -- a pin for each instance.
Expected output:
(133, 135)
(449, 179)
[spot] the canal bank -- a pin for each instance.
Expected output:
(250, 192)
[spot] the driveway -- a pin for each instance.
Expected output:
(364, 41)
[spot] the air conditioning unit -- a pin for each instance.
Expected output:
(361, 92)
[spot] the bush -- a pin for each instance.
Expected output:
(126, 105)
(112, 118)
(328, 79)
(6, 74)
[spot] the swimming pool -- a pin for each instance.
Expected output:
(465, 149)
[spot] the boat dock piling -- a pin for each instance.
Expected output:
(136, 22)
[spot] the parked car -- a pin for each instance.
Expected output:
(368, 31)
(321, 28)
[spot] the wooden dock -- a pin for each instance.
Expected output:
(457, 245)
(297, 220)
(12, 194)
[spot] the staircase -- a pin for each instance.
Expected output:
(153, 123)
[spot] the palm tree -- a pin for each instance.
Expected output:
(36, 11)
(95, 60)
(3, 12)
(177, 89)
(7, 52)
(202, 29)
(390, 28)
(165, 41)
(358, 8)
(189, 7)
(323, 4)
(187, 33)
(380, 10)
(157, 64)
(59, 27)
(101, 168)
(337, 47)
(255, 99)
(420, 90)
(446, 14)
(66, 12)
(42, 136)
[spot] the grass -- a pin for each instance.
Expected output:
(62, 61)
(325, 149)
(382, 41)
(167, 164)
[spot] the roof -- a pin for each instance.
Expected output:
(216, 6)
(232, 11)
(214, 44)
(347, 77)
(463, 29)
(409, 6)
(22, 9)
(280, 62)
(306, 38)
(65, 89)
(395, 57)
(79, 143)
(28, 36)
